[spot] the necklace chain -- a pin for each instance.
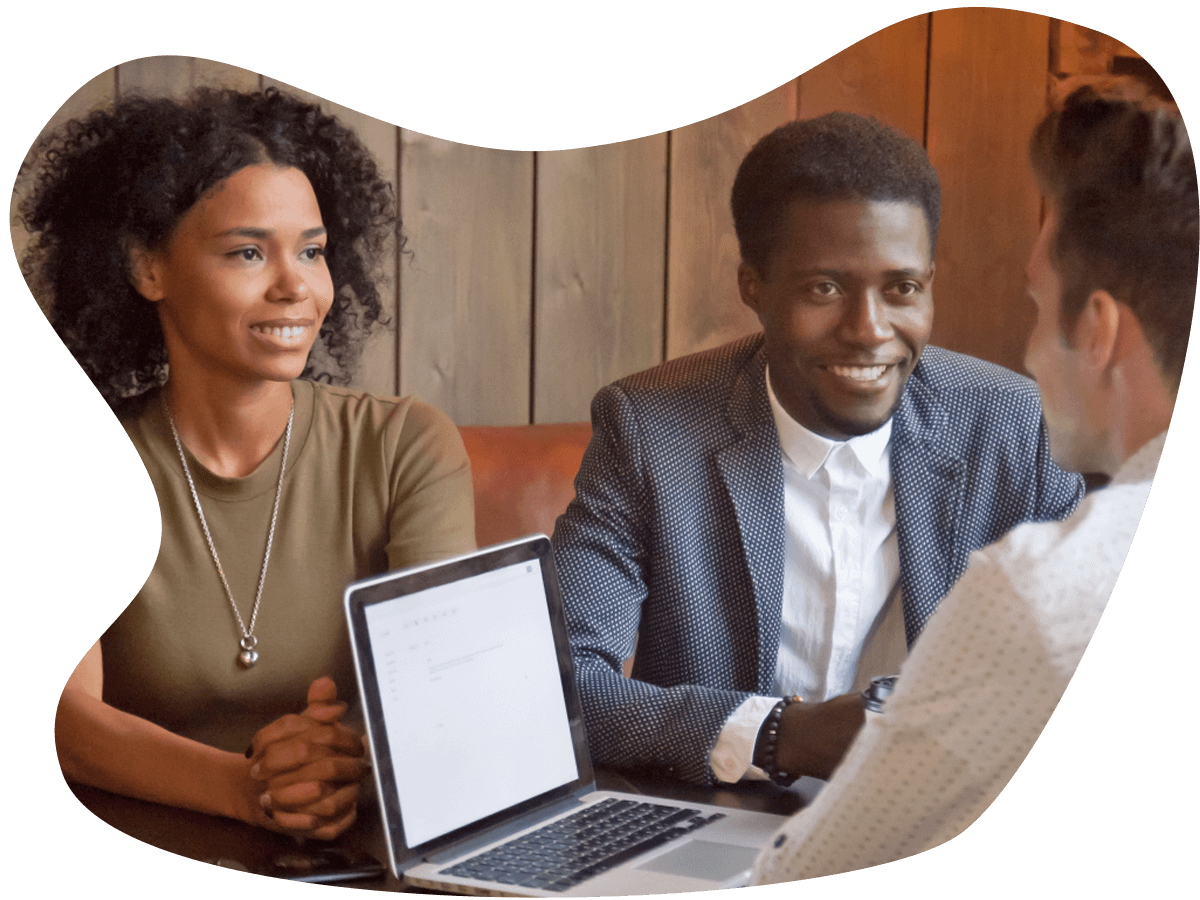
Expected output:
(248, 657)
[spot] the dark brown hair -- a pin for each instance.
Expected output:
(1116, 164)
(838, 156)
(125, 176)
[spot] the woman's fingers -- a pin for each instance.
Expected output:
(325, 817)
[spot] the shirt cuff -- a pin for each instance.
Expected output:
(732, 756)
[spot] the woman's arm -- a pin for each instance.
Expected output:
(101, 746)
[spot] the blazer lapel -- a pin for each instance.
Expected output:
(752, 470)
(929, 485)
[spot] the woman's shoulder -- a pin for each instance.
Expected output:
(142, 418)
(356, 412)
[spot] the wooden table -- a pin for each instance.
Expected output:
(211, 838)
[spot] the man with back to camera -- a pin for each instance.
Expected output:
(1113, 277)
(766, 538)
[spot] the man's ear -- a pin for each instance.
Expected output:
(1097, 331)
(145, 272)
(748, 284)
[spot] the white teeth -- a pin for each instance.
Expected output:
(286, 333)
(859, 373)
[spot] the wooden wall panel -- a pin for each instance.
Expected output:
(465, 296)
(601, 253)
(482, 333)
(986, 90)
(704, 308)
(882, 76)
(174, 76)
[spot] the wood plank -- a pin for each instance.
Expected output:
(175, 76)
(704, 308)
(601, 231)
(987, 89)
(465, 294)
(882, 76)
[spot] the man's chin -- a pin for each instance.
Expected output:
(842, 425)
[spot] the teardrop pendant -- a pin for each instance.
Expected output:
(249, 656)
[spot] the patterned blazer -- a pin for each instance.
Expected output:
(675, 539)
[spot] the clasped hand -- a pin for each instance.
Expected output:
(308, 768)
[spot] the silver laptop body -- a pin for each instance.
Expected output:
(477, 738)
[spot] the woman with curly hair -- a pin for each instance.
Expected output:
(198, 258)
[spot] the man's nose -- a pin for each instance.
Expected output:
(866, 321)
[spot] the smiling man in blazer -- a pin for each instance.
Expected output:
(772, 522)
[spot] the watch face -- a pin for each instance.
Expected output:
(877, 691)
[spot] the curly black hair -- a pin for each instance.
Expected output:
(123, 177)
(1117, 163)
(837, 156)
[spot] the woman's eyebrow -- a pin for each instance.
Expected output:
(264, 233)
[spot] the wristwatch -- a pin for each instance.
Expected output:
(877, 691)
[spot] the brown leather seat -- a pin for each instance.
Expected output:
(524, 476)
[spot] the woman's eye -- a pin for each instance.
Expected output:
(246, 254)
(312, 253)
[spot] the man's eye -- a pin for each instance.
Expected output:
(825, 288)
(907, 288)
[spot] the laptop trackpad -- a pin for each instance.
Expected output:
(704, 859)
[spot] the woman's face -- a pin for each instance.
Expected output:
(241, 285)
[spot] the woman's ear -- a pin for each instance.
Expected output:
(145, 272)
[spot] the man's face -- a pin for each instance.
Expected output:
(1052, 360)
(846, 308)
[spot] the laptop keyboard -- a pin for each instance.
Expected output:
(582, 845)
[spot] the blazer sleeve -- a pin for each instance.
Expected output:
(604, 546)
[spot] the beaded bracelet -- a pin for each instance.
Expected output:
(767, 746)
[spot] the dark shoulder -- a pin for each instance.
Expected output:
(948, 374)
(707, 374)
(967, 402)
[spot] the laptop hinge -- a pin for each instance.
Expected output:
(500, 832)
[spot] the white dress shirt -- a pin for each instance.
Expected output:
(842, 622)
(976, 692)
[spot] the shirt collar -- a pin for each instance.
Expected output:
(1142, 465)
(808, 450)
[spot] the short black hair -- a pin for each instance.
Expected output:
(1116, 164)
(123, 177)
(837, 156)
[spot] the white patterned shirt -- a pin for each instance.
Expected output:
(974, 694)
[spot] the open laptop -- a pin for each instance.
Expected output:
(477, 741)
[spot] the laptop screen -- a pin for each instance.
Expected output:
(471, 695)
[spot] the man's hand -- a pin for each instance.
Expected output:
(813, 737)
(308, 767)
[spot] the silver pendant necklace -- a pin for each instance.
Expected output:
(249, 656)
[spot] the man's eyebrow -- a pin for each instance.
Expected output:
(909, 273)
(264, 233)
(841, 273)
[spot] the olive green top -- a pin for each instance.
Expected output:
(372, 484)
